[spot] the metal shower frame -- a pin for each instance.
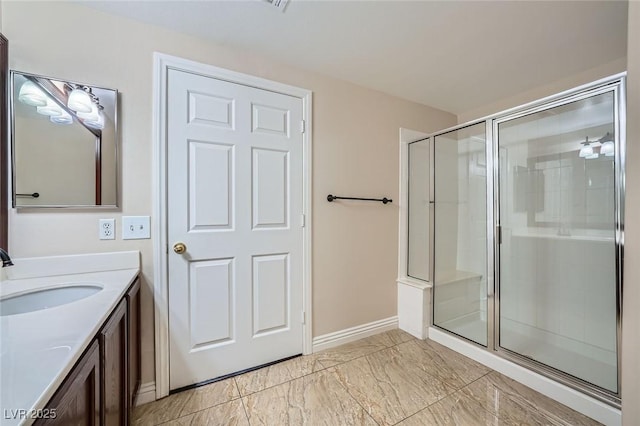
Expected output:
(614, 84)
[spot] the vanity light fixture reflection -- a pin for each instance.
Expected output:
(586, 149)
(66, 150)
(80, 101)
(64, 118)
(607, 149)
(91, 115)
(51, 109)
(97, 123)
(93, 119)
(606, 144)
(31, 94)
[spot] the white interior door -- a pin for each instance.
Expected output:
(235, 194)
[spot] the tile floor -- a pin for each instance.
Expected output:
(387, 379)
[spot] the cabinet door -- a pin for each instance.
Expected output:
(133, 305)
(77, 402)
(113, 348)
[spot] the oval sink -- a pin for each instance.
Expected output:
(38, 300)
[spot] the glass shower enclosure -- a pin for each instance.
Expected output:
(528, 235)
(558, 253)
(460, 232)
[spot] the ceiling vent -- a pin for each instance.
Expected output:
(280, 4)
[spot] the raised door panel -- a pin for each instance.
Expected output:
(210, 186)
(113, 348)
(77, 402)
(270, 120)
(212, 288)
(210, 110)
(270, 188)
(271, 294)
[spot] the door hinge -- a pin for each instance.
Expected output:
(303, 317)
(166, 248)
(302, 220)
(499, 234)
(302, 126)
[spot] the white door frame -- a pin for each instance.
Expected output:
(161, 65)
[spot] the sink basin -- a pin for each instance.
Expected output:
(40, 299)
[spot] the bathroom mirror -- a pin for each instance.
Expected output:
(64, 143)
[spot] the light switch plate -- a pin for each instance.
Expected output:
(136, 227)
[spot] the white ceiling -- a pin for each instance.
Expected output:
(453, 55)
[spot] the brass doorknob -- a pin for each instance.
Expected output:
(179, 248)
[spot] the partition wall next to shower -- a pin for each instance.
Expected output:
(526, 222)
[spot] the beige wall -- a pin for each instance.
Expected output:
(585, 77)
(631, 302)
(355, 149)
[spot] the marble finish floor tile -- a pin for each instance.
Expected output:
(391, 385)
(454, 410)
(344, 353)
(186, 402)
(229, 414)
(209, 395)
(449, 366)
(386, 379)
(316, 399)
(398, 336)
(276, 374)
(159, 411)
(515, 403)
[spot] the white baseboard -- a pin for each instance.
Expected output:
(578, 401)
(347, 335)
(146, 393)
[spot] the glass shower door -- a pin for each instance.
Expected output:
(558, 278)
(460, 232)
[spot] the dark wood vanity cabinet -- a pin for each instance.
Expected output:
(133, 308)
(77, 402)
(101, 388)
(114, 357)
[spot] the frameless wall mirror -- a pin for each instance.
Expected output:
(64, 139)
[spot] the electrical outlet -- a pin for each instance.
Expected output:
(107, 229)
(136, 227)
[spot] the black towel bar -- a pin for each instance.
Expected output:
(384, 200)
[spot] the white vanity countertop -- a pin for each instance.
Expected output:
(39, 348)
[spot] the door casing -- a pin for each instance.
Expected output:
(162, 64)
